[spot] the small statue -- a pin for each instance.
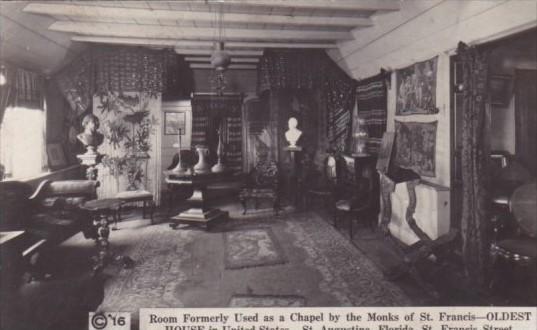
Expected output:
(91, 138)
(293, 134)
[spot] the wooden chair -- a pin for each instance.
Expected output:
(262, 182)
(359, 200)
(321, 186)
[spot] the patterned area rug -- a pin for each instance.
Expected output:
(346, 272)
(187, 268)
(252, 248)
(267, 301)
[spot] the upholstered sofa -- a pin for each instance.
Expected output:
(50, 214)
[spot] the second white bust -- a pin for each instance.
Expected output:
(293, 134)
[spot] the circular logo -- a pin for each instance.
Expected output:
(99, 321)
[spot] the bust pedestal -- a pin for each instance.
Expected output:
(91, 158)
(293, 191)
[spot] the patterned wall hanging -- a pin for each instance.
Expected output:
(416, 89)
(371, 100)
(211, 111)
(415, 145)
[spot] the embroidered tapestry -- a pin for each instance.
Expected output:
(415, 145)
(313, 70)
(416, 89)
(371, 101)
(104, 69)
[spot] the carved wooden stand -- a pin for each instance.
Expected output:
(420, 250)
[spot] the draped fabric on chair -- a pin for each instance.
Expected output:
(475, 151)
(313, 70)
(209, 112)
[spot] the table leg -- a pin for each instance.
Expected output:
(104, 255)
(101, 241)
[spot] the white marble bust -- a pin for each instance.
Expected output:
(293, 134)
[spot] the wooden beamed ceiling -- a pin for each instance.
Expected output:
(191, 28)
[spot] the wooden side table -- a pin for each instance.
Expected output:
(104, 211)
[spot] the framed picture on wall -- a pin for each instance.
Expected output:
(500, 89)
(174, 123)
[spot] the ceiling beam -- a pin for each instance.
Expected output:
(347, 5)
(81, 11)
(210, 51)
(232, 66)
(171, 32)
(199, 43)
(233, 59)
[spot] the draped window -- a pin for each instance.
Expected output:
(22, 123)
(22, 141)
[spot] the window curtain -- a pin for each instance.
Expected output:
(7, 91)
(23, 89)
(475, 154)
(209, 112)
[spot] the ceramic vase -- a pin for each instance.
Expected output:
(202, 166)
(219, 166)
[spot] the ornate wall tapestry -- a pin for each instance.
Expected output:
(130, 122)
(208, 113)
(415, 145)
(315, 71)
(102, 69)
(416, 89)
(371, 101)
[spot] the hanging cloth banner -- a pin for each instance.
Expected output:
(210, 113)
(371, 100)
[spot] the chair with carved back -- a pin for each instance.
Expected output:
(262, 183)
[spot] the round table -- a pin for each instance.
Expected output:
(200, 212)
(103, 211)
